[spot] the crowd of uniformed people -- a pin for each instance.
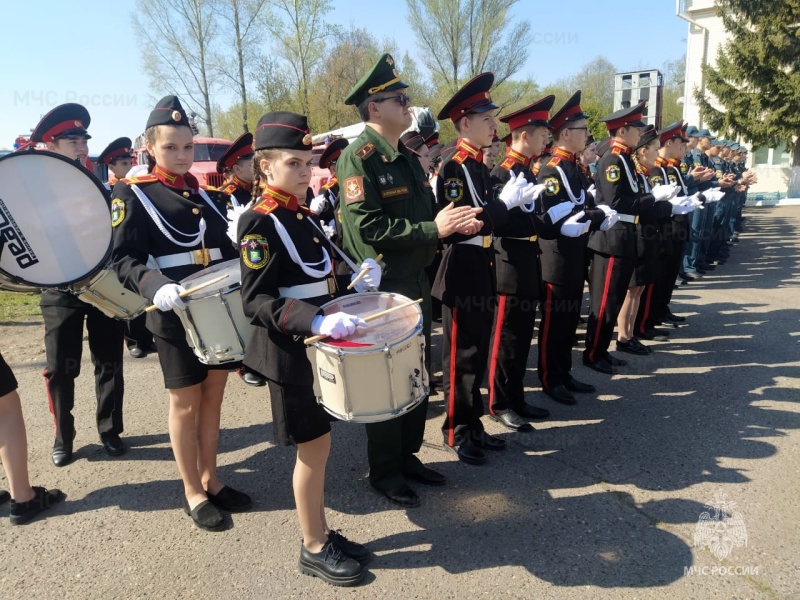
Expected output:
(498, 247)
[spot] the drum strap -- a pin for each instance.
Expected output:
(160, 222)
(308, 268)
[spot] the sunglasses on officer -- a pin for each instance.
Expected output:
(402, 99)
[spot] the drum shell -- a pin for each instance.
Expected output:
(105, 292)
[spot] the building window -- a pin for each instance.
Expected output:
(781, 158)
(761, 156)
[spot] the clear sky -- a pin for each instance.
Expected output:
(87, 52)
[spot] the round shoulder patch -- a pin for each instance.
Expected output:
(453, 189)
(117, 211)
(656, 180)
(551, 186)
(612, 173)
(255, 251)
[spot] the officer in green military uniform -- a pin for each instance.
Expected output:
(387, 208)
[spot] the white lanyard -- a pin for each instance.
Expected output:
(160, 222)
(308, 268)
(476, 201)
(631, 179)
(572, 197)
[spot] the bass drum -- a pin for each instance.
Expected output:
(55, 222)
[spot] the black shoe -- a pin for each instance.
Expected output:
(615, 362)
(253, 379)
(686, 278)
(427, 476)
(331, 564)
(659, 335)
(205, 515)
(231, 500)
(62, 456)
(639, 344)
(631, 348)
(403, 496)
(4, 496)
(468, 453)
(136, 352)
(601, 366)
(484, 441)
(511, 420)
(357, 552)
(675, 318)
(560, 394)
(573, 385)
(526, 411)
(113, 444)
(22, 512)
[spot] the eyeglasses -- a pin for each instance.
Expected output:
(402, 99)
(579, 128)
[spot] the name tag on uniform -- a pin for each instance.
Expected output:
(393, 192)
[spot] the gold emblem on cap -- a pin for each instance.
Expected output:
(78, 124)
(395, 73)
(176, 115)
(389, 60)
(487, 96)
(307, 139)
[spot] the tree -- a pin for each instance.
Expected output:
(300, 32)
(228, 123)
(756, 80)
(176, 39)
(462, 38)
(275, 87)
(674, 72)
(244, 27)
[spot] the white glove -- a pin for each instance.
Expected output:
(373, 277)
(571, 227)
(168, 297)
(559, 211)
(337, 325)
(317, 204)
(714, 195)
(233, 217)
(664, 192)
(682, 209)
(611, 218)
(511, 195)
(329, 230)
(531, 193)
(606, 209)
(592, 190)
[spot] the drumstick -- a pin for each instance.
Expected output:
(191, 290)
(363, 273)
(367, 319)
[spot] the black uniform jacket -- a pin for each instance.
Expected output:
(467, 271)
(240, 190)
(618, 187)
(276, 348)
(137, 236)
(517, 246)
(564, 258)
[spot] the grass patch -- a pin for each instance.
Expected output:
(19, 306)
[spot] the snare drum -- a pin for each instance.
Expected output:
(55, 223)
(378, 373)
(214, 320)
(106, 293)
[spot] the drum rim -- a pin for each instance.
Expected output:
(103, 191)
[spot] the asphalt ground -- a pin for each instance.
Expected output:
(603, 500)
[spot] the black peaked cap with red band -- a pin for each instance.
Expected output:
(332, 152)
(282, 129)
(413, 140)
(626, 117)
(571, 111)
(537, 113)
(241, 148)
(168, 111)
(119, 148)
(472, 98)
(672, 131)
(65, 121)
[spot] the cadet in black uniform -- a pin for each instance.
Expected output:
(117, 156)
(328, 210)
(614, 250)
(568, 211)
(518, 271)
(168, 219)
(26, 501)
(63, 129)
(238, 159)
(287, 273)
(465, 282)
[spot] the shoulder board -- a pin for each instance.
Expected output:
(265, 207)
(460, 157)
(306, 211)
(554, 162)
(229, 189)
(150, 178)
(209, 188)
(365, 150)
(507, 163)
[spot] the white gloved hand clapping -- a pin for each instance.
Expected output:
(512, 193)
(373, 277)
(317, 204)
(337, 325)
(664, 192)
(168, 297)
(713, 195)
(612, 217)
(572, 228)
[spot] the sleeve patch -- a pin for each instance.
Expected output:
(612, 173)
(673, 180)
(656, 180)
(353, 189)
(117, 211)
(453, 189)
(255, 251)
(551, 186)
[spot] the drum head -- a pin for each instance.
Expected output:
(231, 268)
(54, 220)
(381, 331)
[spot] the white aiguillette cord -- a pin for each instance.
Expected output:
(339, 251)
(160, 221)
(308, 268)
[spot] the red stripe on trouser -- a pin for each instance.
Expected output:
(50, 400)
(548, 308)
(647, 306)
(606, 285)
(451, 401)
(498, 330)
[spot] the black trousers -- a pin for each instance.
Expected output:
(137, 333)
(63, 341)
(465, 349)
(561, 310)
(392, 445)
(512, 332)
(609, 279)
